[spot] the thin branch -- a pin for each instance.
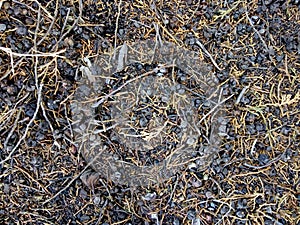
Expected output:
(74, 178)
(241, 95)
(73, 25)
(51, 25)
(257, 32)
(173, 190)
(12, 130)
(48, 121)
(11, 113)
(214, 108)
(38, 216)
(27, 127)
(207, 53)
(48, 31)
(266, 165)
(54, 54)
(95, 105)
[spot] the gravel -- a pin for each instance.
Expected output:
(253, 49)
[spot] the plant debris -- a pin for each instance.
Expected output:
(251, 47)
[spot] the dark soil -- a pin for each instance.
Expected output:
(252, 48)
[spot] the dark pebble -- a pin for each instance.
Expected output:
(206, 104)
(31, 143)
(224, 209)
(40, 136)
(241, 214)
(84, 218)
(44, 126)
(260, 127)
(263, 159)
(22, 31)
(52, 104)
(143, 122)
(285, 130)
(240, 222)
(197, 102)
(269, 222)
(191, 214)
(29, 110)
(29, 21)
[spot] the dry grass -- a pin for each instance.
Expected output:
(40, 183)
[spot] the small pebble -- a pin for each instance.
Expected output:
(21, 31)
(209, 195)
(2, 27)
(240, 214)
(96, 200)
(6, 5)
(149, 196)
(143, 122)
(192, 165)
(190, 141)
(191, 214)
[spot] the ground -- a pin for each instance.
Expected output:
(252, 48)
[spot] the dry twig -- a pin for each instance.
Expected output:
(39, 98)
(207, 53)
(95, 105)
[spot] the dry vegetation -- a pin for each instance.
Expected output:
(253, 49)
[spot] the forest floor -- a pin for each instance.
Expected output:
(253, 49)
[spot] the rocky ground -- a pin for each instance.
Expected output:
(252, 48)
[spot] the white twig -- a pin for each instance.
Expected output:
(101, 212)
(241, 95)
(12, 130)
(48, 121)
(54, 54)
(48, 31)
(11, 112)
(68, 120)
(38, 216)
(257, 32)
(253, 147)
(269, 163)
(214, 108)
(117, 27)
(105, 129)
(174, 188)
(72, 26)
(207, 53)
(27, 127)
(51, 25)
(66, 20)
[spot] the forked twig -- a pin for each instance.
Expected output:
(268, 164)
